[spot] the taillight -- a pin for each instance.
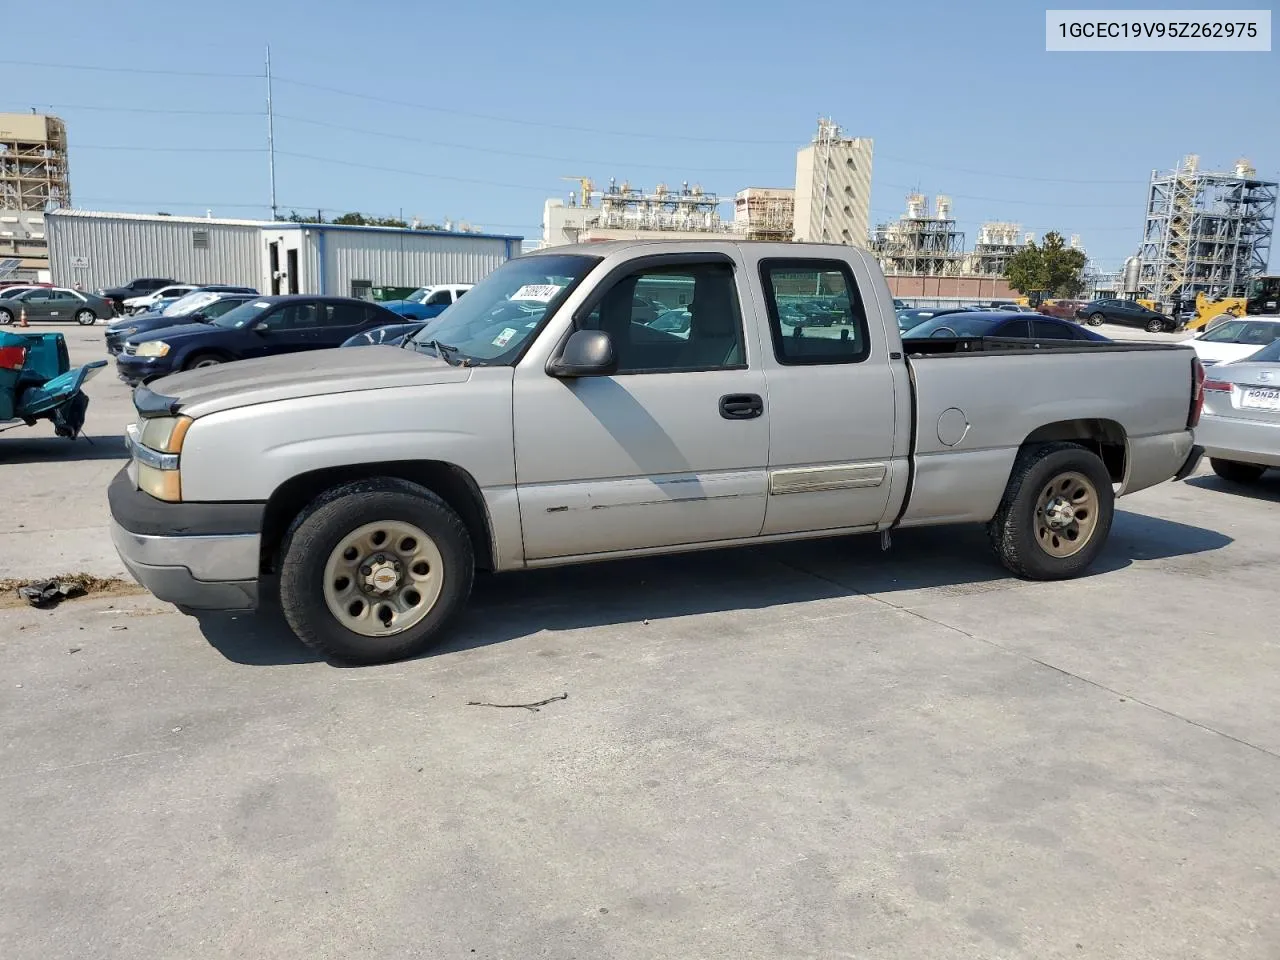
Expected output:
(1197, 392)
(11, 358)
(1216, 385)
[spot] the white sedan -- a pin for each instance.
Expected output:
(144, 303)
(1235, 339)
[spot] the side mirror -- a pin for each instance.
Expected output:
(588, 353)
(260, 327)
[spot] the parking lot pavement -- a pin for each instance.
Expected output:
(806, 750)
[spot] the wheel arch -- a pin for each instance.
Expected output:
(1106, 438)
(450, 482)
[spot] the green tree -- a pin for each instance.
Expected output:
(1051, 266)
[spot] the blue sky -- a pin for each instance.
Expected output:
(475, 112)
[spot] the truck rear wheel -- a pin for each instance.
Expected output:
(1056, 513)
(374, 571)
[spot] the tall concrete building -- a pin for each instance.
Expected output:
(833, 188)
(33, 181)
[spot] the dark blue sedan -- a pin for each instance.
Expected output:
(203, 310)
(1001, 323)
(260, 327)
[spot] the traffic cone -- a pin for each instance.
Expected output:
(22, 318)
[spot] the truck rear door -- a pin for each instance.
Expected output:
(838, 406)
(669, 450)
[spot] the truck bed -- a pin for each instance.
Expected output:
(971, 417)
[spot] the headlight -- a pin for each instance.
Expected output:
(165, 434)
(153, 348)
(126, 331)
(155, 453)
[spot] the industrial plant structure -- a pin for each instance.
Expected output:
(1205, 231)
(833, 188)
(33, 180)
(765, 213)
(920, 242)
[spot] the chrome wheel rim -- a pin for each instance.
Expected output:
(383, 578)
(1066, 514)
(85, 317)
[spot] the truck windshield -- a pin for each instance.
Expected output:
(494, 320)
(419, 295)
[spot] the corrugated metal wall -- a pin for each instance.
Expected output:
(119, 249)
(406, 259)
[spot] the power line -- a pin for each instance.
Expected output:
(153, 110)
(409, 173)
(523, 122)
(494, 150)
(138, 70)
(154, 149)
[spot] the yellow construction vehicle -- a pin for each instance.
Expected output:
(1262, 298)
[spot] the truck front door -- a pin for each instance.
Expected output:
(669, 450)
(838, 437)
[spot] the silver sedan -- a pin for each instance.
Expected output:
(1240, 425)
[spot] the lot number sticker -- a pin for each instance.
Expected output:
(502, 339)
(538, 292)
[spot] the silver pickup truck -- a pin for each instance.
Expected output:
(618, 399)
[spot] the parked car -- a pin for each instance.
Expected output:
(198, 307)
(912, 318)
(369, 484)
(1002, 324)
(392, 335)
(53, 303)
(134, 288)
(1127, 313)
(142, 303)
(1235, 339)
(259, 327)
(1240, 425)
(427, 302)
(1063, 309)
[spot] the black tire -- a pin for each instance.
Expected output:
(6, 318)
(1233, 471)
(1096, 319)
(1012, 530)
(1155, 325)
(202, 360)
(86, 318)
(331, 517)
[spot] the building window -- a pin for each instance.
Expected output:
(362, 289)
(200, 239)
(849, 163)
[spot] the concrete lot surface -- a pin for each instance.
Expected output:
(810, 750)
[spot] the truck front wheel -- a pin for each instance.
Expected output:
(374, 571)
(1056, 513)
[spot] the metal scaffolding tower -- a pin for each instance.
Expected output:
(919, 244)
(997, 242)
(1205, 231)
(33, 163)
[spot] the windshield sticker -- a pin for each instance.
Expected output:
(505, 336)
(538, 292)
(262, 303)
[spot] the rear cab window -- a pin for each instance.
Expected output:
(816, 313)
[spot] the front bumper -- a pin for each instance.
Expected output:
(1244, 441)
(134, 369)
(212, 564)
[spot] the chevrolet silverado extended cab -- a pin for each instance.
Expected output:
(763, 393)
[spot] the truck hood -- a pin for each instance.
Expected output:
(291, 376)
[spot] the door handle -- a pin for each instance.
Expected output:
(741, 406)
